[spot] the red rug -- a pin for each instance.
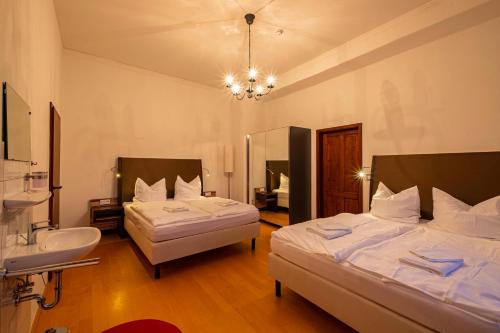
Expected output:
(144, 326)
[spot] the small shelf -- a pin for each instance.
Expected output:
(26, 199)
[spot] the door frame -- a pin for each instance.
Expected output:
(319, 161)
(52, 112)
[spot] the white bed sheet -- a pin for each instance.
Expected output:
(283, 197)
(339, 249)
(473, 287)
(410, 303)
(189, 228)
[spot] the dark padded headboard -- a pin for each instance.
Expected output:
(153, 169)
(273, 179)
(469, 177)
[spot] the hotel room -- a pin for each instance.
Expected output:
(250, 166)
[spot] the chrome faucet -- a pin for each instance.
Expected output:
(33, 230)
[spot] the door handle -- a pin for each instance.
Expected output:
(57, 187)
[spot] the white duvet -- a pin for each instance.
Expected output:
(338, 249)
(156, 212)
(216, 206)
(474, 287)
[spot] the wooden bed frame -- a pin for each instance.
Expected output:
(471, 177)
(152, 170)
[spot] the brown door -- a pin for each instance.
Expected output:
(338, 158)
(55, 165)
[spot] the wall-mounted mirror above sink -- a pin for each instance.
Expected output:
(16, 132)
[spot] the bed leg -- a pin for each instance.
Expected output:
(157, 271)
(277, 288)
(253, 244)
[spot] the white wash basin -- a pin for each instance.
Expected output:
(26, 199)
(52, 247)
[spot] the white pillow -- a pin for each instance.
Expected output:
(187, 191)
(156, 192)
(283, 182)
(481, 220)
(401, 207)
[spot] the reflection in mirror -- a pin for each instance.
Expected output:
(16, 132)
(269, 175)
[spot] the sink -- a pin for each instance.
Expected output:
(52, 247)
(26, 199)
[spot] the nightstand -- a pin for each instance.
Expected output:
(209, 194)
(266, 200)
(106, 214)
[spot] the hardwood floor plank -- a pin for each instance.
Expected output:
(223, 290)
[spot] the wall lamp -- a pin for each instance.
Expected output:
(364, 174)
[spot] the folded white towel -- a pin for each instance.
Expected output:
(439, 268)
(343, 221)
(226, 203)
(333, 226)
(437, 254)
(328, 234)
(176, 209)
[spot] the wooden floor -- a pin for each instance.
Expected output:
(279, 217)
(223, 290)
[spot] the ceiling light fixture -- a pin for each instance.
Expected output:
(254, 89)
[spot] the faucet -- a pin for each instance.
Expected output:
(33, 230)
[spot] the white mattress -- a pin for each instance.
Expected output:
(283, 197)
(178, 230)
(407, 302)
(475, 287)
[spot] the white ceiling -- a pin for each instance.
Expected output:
(200, 40)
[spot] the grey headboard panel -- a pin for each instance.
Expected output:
(470, 177)
(153, 169)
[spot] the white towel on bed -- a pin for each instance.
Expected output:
(212, 206)
(438, 253)
(156, 212)
(328, 234)
(343, 221)
(439, 268)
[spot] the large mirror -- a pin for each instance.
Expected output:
(16, 132)
(269, 179)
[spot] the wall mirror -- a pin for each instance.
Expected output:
(279, 174)
(16, 131)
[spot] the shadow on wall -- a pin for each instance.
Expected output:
(394, 126)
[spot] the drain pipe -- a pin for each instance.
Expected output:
(41, 299)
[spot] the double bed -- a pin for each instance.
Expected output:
(164, 242)
(362, 289)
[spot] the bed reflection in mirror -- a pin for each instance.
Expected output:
(269, 181)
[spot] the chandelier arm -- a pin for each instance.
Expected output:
(239, 97)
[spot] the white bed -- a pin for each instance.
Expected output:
(283, 197)
(170, 241)
(347, 292)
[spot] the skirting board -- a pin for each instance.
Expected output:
(159, 252)
(360, 313)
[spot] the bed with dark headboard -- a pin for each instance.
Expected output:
(199, 239)
(273, 170)
(469, 177)
(153, 169)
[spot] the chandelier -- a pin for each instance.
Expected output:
(254, 89)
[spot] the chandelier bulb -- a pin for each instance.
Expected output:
(270, 81)
(235, 89)
(259, 90)
(252, 74)
(229, 80)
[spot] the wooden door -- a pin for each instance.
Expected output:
(55, 165)
(338, 159)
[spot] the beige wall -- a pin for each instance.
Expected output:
(439, 97)
(113, 110)
(30, 55)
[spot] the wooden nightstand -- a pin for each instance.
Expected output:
(106, 214)
(266, 200)
(209, 194)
